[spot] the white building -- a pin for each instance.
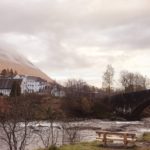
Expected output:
(28, 84)
(31, 84)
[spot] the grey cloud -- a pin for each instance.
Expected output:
(37, 16)
(72, 35)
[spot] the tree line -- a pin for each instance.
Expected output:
(8, 72)
(81, 101)
(85, 101)
(129, 81)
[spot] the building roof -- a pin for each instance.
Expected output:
(7, 76)
(36, 78)
(7, 83)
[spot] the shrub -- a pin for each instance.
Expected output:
(53, 147)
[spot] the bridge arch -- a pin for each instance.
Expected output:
(136, 102)
(140, 108)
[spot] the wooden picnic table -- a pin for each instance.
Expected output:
(126, 137)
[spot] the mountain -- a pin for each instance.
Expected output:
(14, 60)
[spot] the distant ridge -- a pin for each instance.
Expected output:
(20, 64)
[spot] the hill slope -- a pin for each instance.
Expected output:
(11, 59)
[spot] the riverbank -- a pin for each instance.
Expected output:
(97, 146)
(85, 131)
(142, 143)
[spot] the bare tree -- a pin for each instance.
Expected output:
(139, 82)
(108, 79)
(133, 81)
(49, 134)
(127, 81)
(77, 88)
(79, 98)
(14, 124)
(71, 133)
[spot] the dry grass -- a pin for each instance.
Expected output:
(146, 137)
(94, 146)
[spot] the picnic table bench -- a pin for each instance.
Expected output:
(125, 137)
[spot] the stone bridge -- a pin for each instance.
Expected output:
(131, 105)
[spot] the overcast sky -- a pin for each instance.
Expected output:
(78, 38)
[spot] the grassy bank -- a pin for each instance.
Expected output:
(98, 146)
(80, 146)
(146, 137)
(94, 146)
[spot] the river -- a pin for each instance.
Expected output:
(85, 130)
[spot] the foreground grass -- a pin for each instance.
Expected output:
(146, 137)
(92, 146)
(82, 146)
(96, 146)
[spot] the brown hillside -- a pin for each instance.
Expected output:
(23, 69)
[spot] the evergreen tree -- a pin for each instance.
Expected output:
(15, 73)
(16, 89)
(8, 72)
(4, 72)
(11, 72)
